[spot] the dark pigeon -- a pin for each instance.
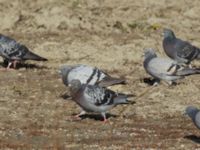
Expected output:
(181, 51)
(14, 52)
(194, 114)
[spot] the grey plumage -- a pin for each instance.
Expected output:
(88, 75)
(93, 98)
(13, 52)
(164, 68)
(194, 114)
(181, 51)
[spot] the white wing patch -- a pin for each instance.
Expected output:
(86, 74)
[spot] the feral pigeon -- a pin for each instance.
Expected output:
(88, 75)
(14, 52)
(180, 51)
(164, 68)
(94, 98)
(194, 114)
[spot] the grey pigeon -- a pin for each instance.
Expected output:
(94, 98)
(88, 75)
(194, 114)
(164, 68)
(13, 52)
(181, 51)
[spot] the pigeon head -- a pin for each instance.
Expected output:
(168, 33)
(191, 111)
(74, 86)
(64, 70)
(149, 53)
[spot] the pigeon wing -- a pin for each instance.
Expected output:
(99, 96)
(86, 74)
(185, 50)
(160, 65)
(10, 49)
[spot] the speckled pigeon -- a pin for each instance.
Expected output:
(13, 52)
(194, 114)
(164, 68)
(88, 75)
(94, 98)
(181, 51)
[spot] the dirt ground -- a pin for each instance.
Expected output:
(109, 34)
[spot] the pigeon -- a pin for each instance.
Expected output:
(194, 114)
(180, 51)
(94, 98)
(88, 75)
(14, 52)
(164, 68)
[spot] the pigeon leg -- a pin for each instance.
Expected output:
(190, 66)
(156, 82)
(81, 113)
(15, 64)
(9, 65)
(170, 82)
(77, 117)
(104, 117)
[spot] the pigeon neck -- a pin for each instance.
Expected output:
(170, 37)
(150, 56)
(193, 114)
(148, 59)
(75, 91)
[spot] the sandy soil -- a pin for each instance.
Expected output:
(111, 35)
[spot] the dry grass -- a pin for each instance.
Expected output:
(108, 34)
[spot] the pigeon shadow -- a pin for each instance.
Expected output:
(24, 65)
(96, 117)
(149, 81)
(152, 81)
(193, 138)
(132, 102)
(31, 66)
(65, 96)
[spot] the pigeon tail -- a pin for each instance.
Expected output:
(198, 56)
(108, 81)
(32, 56)
(122, 99)
(187, 71)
